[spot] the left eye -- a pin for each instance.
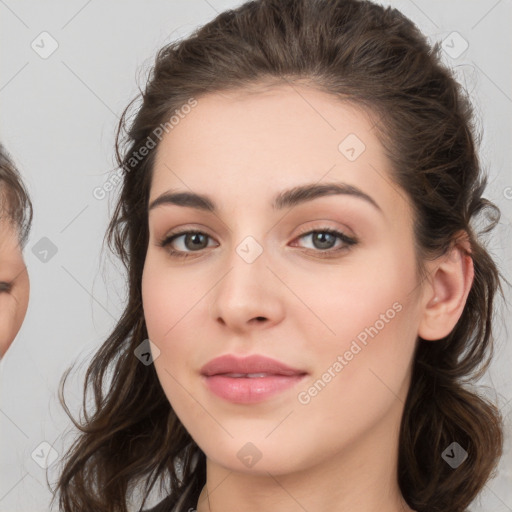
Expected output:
(194, 241)
(324, 239)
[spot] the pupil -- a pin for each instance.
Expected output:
(320, 237)
(193, 237)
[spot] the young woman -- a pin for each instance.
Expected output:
(15, 222)
(307, 292)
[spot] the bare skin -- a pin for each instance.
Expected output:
(334, 449)
(14, 285)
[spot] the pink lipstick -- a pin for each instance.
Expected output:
(250, 379)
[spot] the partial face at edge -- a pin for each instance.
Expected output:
(322, 297)
(14, 287)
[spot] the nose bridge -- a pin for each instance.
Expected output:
(245, 292)
(247, 268)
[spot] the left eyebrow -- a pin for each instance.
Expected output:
(286, 198)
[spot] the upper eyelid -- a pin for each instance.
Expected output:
(204, 231)
(198, 227)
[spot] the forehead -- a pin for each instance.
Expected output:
(243, 143)
(296, 120)
(9, 240)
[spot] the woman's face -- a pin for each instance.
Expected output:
(342, 310)
(14, 285)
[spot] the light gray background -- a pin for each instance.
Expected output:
(58, 121)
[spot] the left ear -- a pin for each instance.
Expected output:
(451, 277)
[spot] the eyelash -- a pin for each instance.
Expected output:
(5, 287)
(327, 253)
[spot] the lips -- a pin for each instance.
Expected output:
(249, 380)
(254, 366)
(246, 390)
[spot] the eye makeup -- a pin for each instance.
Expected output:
(333, 234)
(5, 286)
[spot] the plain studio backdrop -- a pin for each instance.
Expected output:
(68, 69)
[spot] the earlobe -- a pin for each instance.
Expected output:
(445, 296)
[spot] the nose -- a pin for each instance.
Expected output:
(249, 295)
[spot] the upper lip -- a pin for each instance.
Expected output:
(251, 364)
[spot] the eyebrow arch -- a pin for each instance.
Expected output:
(284, 199)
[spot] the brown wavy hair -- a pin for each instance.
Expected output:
(376, 58)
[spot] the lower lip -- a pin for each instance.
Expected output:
(249, 390)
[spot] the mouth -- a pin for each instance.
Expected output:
(249, 380)
(247, 375)
(254, 365)
(248, 389)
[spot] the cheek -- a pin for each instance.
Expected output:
(157, 305)
(353, 297)
(165, 304)
(162, 297)
(8, 321)
(13, 308)
(171, 304)
(371, 314)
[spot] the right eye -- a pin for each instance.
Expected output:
(191, 236)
